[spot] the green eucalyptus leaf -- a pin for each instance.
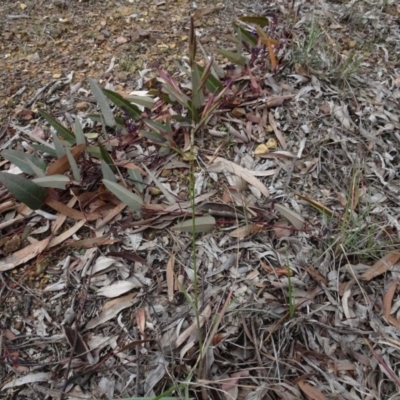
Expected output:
(103, 103)
(261, 21)
(105, 155)
(20, 159)
(74, 166)
(245, 35)
(157, 126)
(137, 179)
(212, 83)
(58, 145)
(60, 129)
(94, 151)
(153, 136)
(132, 200)
(53, 181)
(80, 136)
(123, 104)
(108, 174)
(44, 149)
(197, 90)
(95, 117)
(24, 190)
(144, 101)
(37, 171)
(233, 57)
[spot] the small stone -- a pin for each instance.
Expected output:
(33, 58)
(121, 76)
(100, 39)
(352, 43)
(165, 173)
(82, 106)
(12, 245)
(155, 191)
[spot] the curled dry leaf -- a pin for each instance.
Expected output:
(109, 313)
(170, 277)
(310, 391)
(219, 164)
(230, 383)
(116, 289)
(141, 320)
(205, 315)
(281, 229)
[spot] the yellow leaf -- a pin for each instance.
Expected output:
(271, 144)
(261, 150)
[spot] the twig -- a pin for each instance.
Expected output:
(17, 16)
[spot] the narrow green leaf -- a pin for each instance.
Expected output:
(218, 72)
(261, 21)
(108, 174)
(60, 129)
(153, 136)
(156, 126)
(20, 159)
(211, 82)
(24, 190)
(143, 101)
(197, 91)
(53, 181)
(202, 224)
(95, 117)
(60, 150)
(233, 57)
(105, 155)
(74, 166)
(173, 89)
(103, 103)
(80, 136)
(94, 151)
(182, 68)
(126, 196)
(137, 179)
(250, 39)
(44, 149)
(123, 104)
(37, 171)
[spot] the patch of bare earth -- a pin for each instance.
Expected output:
(296, 291)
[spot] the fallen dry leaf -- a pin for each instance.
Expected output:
(381, 266)
(170, 277)
(310, 391)
(219, 164)
(62, 164)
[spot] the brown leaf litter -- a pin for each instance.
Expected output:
(293, 295)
